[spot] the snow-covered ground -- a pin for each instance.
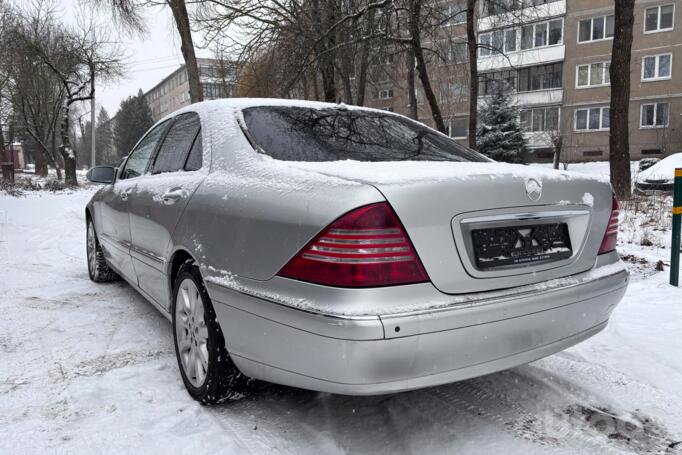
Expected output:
(89, 368)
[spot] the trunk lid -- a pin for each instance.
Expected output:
(441, 204)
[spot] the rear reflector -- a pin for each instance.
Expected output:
(611, 235)
(365, 247)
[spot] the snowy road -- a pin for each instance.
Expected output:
(89, 369)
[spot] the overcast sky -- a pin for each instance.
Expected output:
(149, 58)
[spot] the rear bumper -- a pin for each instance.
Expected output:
(367, 355)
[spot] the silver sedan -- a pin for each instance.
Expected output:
(349, 250)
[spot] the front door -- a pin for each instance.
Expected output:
(115, 214)
(158, 201)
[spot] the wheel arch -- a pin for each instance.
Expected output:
(179, 257)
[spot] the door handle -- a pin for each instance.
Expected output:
(172, 196)
(124, 195)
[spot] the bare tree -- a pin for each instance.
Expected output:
(52, 69)
(75, 56)
(35, 94)
(619, 143)
(128, 13)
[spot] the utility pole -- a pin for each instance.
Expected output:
(92, 114)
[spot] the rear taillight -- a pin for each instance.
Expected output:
(365, 247)
(611, 234)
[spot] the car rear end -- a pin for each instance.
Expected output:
(460, 268)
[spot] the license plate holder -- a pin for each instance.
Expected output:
(521, 245)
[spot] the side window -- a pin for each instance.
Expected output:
(195, 158)
(173, 152)
(139, 157)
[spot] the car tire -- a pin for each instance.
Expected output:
(98, 269)
(207, 370)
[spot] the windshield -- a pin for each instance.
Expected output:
(331, 134)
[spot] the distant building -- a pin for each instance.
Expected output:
(556, 58)
(218, 79)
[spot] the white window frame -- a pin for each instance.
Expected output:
(591, 19)
(601, 119)
(493, 53)
(519, 34)
(658, 20)
(589, 75)
(517, 47)
(544, 120)
(654, 126)
(657, 68)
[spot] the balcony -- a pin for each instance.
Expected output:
(525, 15)
(523, 58)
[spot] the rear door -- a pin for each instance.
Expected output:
(159, 199)
(115, 220)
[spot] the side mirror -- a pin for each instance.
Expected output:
(101, 174)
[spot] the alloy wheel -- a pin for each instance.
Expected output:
(191, 332)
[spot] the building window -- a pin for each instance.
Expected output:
(497, 42)
(540, 119)
(593, 75)
(659, 18)
(540, 77)
(654, 115)
(458, 127)
(489, 83)
(453, 13)
(596, 28)
(657, 67)
(652, 152)
(592, 119)
(542, 34)
(385, 94)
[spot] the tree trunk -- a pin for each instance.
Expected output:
(67, 152)
(187, 46)
(619, 143)
(411, 86)
(53, 156)
(473, 72)
(365, 47)
(415, 40)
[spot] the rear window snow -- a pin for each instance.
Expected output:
(290, 133)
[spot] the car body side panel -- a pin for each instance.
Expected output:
(152, 223)
(112, 223)
(242, 229)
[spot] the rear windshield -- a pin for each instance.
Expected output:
(331, 134)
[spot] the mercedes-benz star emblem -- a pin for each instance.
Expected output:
(533, 189)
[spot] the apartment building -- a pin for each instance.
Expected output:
(218, 80)
(656, 79)
(555, 56)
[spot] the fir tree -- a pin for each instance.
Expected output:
(104, 139)
(499, 135)
(132, 120)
